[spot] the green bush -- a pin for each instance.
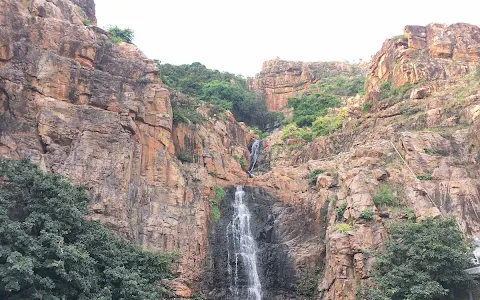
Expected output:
(308, 108)
(367, 214)
(326, 125)
(185, 157)
(292, 131)
(308, 286)
(384, 196)
(184, 110)
(243, 163)
(366, 106)
(215, 202)
(118, 35)
(314, 175)
(341, 85)
(262, 135)
(340, 210)
(50, 250)
(343, 227)
(422, 260)
(424, 177)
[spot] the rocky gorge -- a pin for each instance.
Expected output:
(79, 105)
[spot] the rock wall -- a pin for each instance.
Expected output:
(281, 79)
(81, 106)
(423, 54)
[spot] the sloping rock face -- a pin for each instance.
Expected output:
(81, 106)
(424, 53)
(281, 79)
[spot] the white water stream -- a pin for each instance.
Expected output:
(242, 250)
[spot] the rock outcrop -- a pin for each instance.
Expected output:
(424, 54)
(281, 79)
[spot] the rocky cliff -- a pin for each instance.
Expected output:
(424, 54)
(81, 106)
(281, 79)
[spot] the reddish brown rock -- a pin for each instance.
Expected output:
(280, 79)
(434, 52)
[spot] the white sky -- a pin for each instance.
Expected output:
(238, 36)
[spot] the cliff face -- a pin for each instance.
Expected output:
(425, 53)
(81, 106)
(280, 79)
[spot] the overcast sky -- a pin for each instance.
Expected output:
(237, 36)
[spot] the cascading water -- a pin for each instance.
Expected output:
(242, 262)
(254, 152)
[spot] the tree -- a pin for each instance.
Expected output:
(49, 251)
(421, 261)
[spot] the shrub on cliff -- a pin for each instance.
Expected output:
(48, 250)
(118, 35)
(420, 261)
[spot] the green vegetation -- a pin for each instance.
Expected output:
(308, 286)
(213, 174)
(118, 35)
(394, 95)
(326, 125)
(420, 261)
(224, 91)
(366, 106)
(367, 214)
(184, 110)
(306, 109)
(261, 134)
(424, 177)
(50, 251)
(343, 227)
(215, 203)
(292, 130)
(342, 85)
(340, 210)
(243, 163)
(185, 157)
(314, 175)
(384, 196)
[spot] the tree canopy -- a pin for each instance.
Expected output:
(48, 250)
(225, 91)
(421, 261)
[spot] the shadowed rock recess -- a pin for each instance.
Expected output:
(95, 111)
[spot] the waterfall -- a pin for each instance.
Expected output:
(242, 264)
(254, 152)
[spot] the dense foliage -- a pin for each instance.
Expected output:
(421, 261)
(118, 35)
(306, 109)
(49, 251)
(225, 91)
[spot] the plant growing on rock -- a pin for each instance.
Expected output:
(340, 210)
(424, 177)
(118, 35)
(343, 227)
(367, 214)
(420, 261)
(384, 196)
(215, 202)
(314, 175)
